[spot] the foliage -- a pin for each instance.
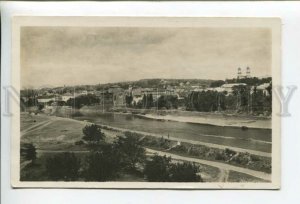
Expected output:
(102, 164)
(229, 152)
(83, 100)
(167, 101)
(28, 151)
(180, 149)
(130, 149)
(31, 101)
(217, 83)
(205, 101)
(160, 169)
(128, 100)
(250, 81)
(184, 172)
(242, 99)
(63, 166)
(147, 101)
(93, 133)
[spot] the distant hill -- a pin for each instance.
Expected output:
(143, 83)
(171, 82)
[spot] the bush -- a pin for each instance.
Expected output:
(132, 152)
(164, 143)
(184, 172)
(254, 158)
(220, 156)
(229, 152)
(102, 164)
(180, 149)
(158, 169)
(63, 166)
(92, 133)
(242, 159)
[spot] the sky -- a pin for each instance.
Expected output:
(57, 56)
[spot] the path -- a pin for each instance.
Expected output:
(217, 146)
(223, 175)
(36, 126)
(224, 167)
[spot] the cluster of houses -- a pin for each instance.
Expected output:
(116, 96)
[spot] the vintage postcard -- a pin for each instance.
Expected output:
(145, 102)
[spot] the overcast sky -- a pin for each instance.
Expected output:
(59, 56)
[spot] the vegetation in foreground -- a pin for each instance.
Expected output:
(104, 162)
(160, 168)
(242, 159)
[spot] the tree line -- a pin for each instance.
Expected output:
(147, 102)
(242, 99)
(250, 81)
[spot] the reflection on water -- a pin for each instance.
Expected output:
(254, 139)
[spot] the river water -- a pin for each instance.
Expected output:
(254, 139)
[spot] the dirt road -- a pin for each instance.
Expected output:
(224, 167)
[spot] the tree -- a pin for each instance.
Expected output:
(167, 101)
(217, 83)
(128, 99)
(93, 133)
(204, 101)
(184, 172)
(130, 149)
(64, 166)
(82, 100)
(28, 151)
(147, 101)
(158, 169)
(150, 101)
(102, 164)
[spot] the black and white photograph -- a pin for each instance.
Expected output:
(146, 102)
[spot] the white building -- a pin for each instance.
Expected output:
(230, 87)
(67, 96)
(264, 87)
(45, 100)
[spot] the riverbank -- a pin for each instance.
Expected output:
(223, 121)
(206, 118)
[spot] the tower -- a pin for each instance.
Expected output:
(239, 73)
(248, 73)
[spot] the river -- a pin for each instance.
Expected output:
(254, 139)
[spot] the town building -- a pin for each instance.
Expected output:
(264, 88)
(229, 88)
(46, 100)
(65, 97)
